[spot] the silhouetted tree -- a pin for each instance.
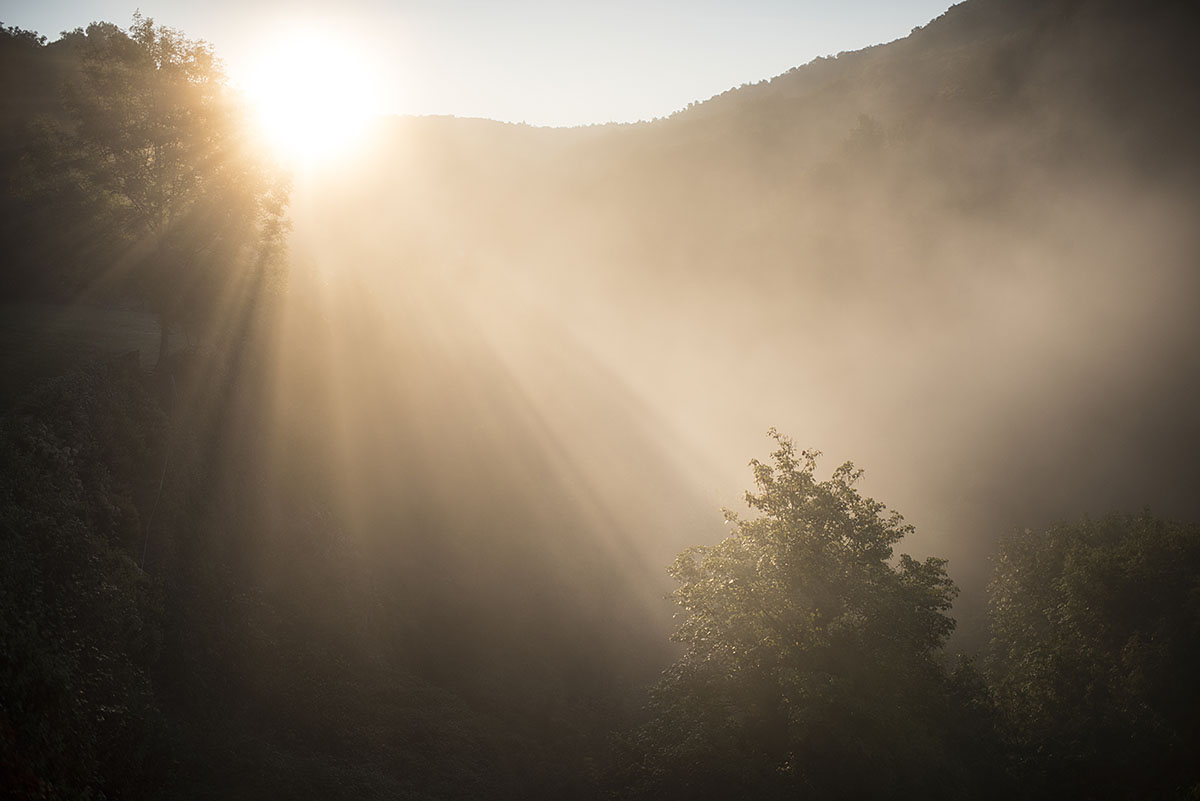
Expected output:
(157, 147)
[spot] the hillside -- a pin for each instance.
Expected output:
(402, 534)
(972, 245)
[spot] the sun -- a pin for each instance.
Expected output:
(313, 97)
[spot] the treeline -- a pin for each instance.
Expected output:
(162, 638)
(813, 660)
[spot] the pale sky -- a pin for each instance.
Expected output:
(537, 61)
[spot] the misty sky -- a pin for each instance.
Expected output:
(542, 62)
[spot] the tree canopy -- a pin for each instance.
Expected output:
(809, 657)
(1095, 653)
(156, 153)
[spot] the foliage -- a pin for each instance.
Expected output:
(1096, 650)
(809, 655)
(22, 36)
(80, 623)
(157, 155)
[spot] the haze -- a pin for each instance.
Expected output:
(942, 291)
(381, 414)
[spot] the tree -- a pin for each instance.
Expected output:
(158, 145)
(1095, 654)
(809, 660)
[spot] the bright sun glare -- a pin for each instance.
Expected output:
(313, 96)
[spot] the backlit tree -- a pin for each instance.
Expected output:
(157, 143)
(810, 654)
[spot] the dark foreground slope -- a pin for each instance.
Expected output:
(194, 606)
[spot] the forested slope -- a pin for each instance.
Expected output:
(400, 532)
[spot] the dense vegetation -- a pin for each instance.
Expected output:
(810, 653)
(156, 641)
(339, 548)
